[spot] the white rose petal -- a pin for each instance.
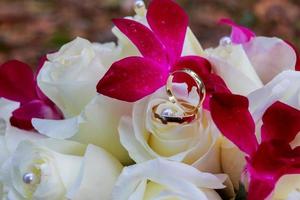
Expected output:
(146, 138)
(287, 187)
(232, 64)
(270, 56)
(56, 174)
(97, 124)
(70, 76)
(284, 87)
(158, 179)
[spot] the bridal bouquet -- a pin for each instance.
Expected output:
(153, 117)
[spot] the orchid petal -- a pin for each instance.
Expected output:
(239, 34)
(259, 189)
(280, 122)
(199, 65)
(213, 84)
(169, 22)
(272, 160)
(143, 38)
(132, 78)
(231, 115)
(21, 117)
(17, 82)
(262, 52)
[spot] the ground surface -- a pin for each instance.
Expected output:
(30, 28)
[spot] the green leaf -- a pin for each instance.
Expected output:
(242, 194)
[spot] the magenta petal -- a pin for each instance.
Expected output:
(213, 84)
(169, 22)
(260, 189)
(198, 64)
(239, 34)
(280, 122)
(143, 38)
(272, 160)
(21, 117)
(17, 82)
(231, 115)
(132, 78)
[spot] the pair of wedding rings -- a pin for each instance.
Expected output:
(190, 111)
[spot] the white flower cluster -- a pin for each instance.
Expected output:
(106, 149)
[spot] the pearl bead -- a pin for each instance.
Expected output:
(28, 178)
(167, 112)
(225, 41)
(139, 4)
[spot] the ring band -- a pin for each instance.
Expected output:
(190, 111)
(187, 107)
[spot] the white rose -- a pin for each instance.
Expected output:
(162, 179)
(146, 137)
(198, 143)
(254, 63)
(69, 77)
(61, 168)
(56, 175)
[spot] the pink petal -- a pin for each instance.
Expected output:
(280, 122)
(143, 38)
(213, 84)
(17, 82)
(231, 115)
(271, 161)
(21, 117)
(239, 34)
(132, 78)
(198, 64)
(260, 189)
(169, 22)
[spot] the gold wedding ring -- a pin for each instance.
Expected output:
(190, 111)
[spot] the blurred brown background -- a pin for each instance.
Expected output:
(31, 28)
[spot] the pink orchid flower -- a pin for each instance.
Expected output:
(133, 78)
(268, 161)
(239, 34)
(18, 83)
